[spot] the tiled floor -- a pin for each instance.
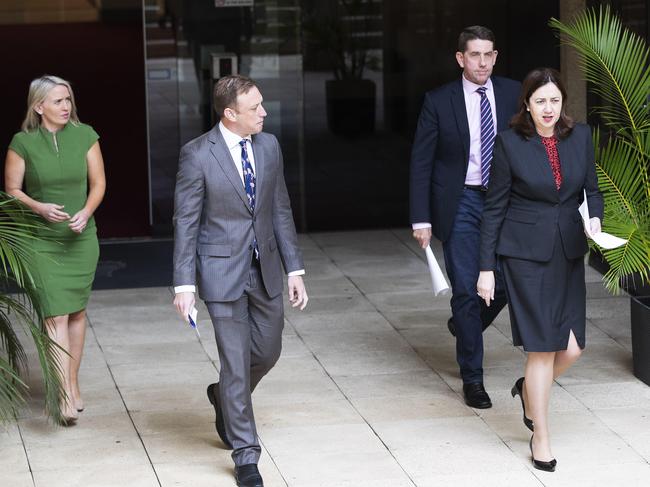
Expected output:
(366, 392)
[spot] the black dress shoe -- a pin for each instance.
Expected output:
(248, 476)
(540, 465)
(451, 326)
(213, 396)
(518, 389)
(475, 396)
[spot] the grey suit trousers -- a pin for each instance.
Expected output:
(248, 332)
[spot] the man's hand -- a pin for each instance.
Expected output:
(423, 236)
(297, 292)
(485, 286)
(184, 303)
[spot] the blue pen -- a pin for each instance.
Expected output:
(192, 319)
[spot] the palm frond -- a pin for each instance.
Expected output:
(619, 177)
(19, 229)
(12, 390)
(9, 341)
(614, 60)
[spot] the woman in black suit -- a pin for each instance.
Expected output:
(531, 222)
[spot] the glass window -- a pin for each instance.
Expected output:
(98, 47)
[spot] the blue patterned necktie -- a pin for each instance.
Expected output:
(249, 175)
(249, 184)
(487, 136)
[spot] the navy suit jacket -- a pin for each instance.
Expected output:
(524, 210)
(440, 153)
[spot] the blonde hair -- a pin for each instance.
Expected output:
(38, 90)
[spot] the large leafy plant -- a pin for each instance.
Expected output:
(20, 314)
(615, 63)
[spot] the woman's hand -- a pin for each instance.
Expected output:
(485, 286)
(79, 221)
(52, 212)
(594, 225)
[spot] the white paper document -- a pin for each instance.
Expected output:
(192, 316)
(440, 286)
(602, 239)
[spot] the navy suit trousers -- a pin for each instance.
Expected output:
(471, 315)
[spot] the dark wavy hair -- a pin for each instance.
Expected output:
(522, 122)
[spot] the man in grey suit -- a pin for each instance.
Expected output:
(233, 234)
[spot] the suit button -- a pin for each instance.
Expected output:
(254, 219)
(250, 247)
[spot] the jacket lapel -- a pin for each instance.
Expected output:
(502, 115)
(568, 161)
(222, 154)
(258, 154)
(544, 165)
(460, 112)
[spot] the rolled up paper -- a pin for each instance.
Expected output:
(440, 286)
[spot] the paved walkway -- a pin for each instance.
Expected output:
(366, 392)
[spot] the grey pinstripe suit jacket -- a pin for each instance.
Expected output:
(214, 226)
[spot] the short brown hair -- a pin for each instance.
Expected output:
(228, 88)
(474, 32)
(522, 122)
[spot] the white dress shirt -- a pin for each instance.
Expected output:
(473, 110)
(232, 142)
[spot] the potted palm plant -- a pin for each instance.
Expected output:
(615, 63)
(335, 30)
(20, 314)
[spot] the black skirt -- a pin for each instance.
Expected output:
(546, 300)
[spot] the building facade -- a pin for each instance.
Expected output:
(342, 81)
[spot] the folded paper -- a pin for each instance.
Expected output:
(602, 239)
(440, 286)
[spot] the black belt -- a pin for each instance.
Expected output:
(476, 187)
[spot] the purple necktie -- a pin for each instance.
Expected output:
(487, 136)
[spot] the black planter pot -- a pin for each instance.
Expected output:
(640, 317)
(632, 285)
(597, 261)
(350, 106)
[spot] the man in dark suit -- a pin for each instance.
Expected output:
(450, 164)
(233, 234)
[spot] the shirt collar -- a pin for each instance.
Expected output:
(470, 87)
(231, 138)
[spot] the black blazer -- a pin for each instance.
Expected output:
(440, 153)
(524, 210)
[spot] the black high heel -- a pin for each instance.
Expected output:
(540, 465)
(518, 389)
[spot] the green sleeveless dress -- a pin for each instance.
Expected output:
(56, 171)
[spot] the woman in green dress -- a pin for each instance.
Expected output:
(54, 165)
